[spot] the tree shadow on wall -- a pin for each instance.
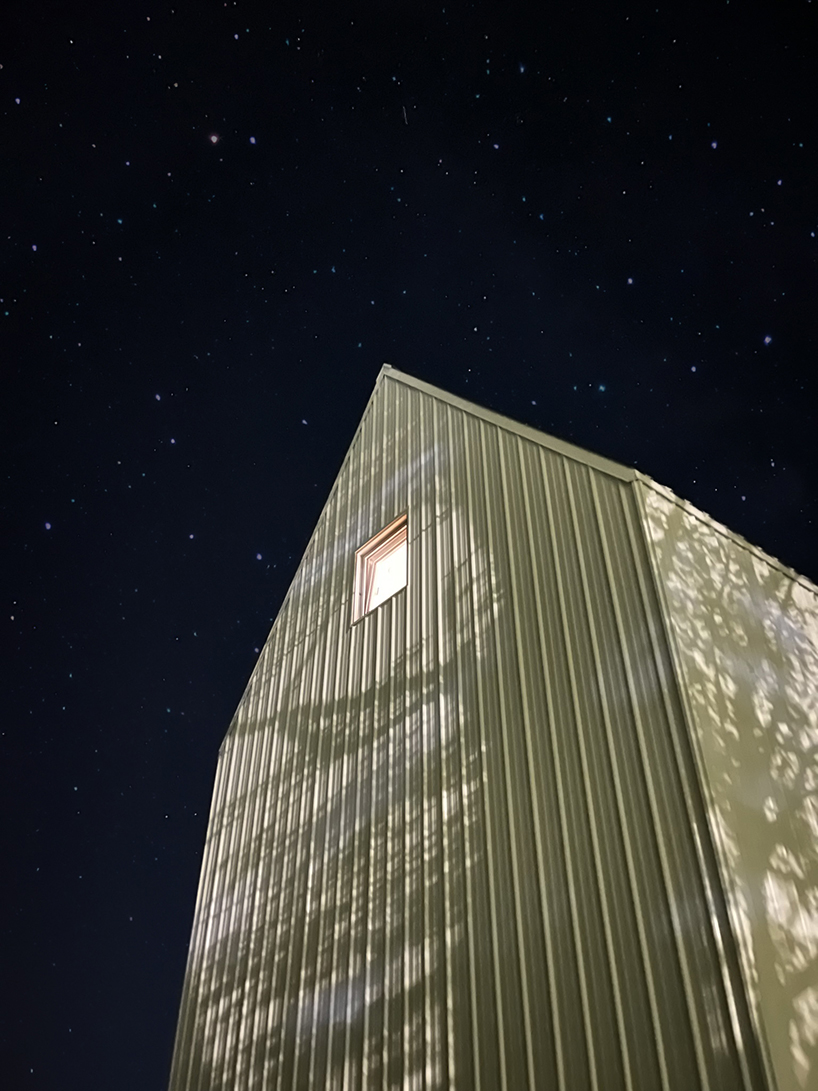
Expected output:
(748, 637)
(324, 951)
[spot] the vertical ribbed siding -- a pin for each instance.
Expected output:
(462, 843)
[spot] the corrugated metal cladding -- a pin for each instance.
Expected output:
(745, 632)
(462, 843)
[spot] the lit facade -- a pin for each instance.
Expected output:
(525, 798)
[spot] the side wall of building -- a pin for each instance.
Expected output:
(746, 640)
(461, 844)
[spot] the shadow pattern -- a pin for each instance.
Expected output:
(461, 843)
(746, 631)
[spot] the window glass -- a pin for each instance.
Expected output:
(381, 566)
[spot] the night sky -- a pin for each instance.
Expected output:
(218, 222)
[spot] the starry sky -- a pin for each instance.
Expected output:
(218, 222)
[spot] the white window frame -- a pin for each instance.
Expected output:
(393, 536)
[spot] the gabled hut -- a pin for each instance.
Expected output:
(522, 792)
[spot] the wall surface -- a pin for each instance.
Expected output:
(746, 638)
(462, 844)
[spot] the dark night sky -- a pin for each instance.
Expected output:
(217, 223)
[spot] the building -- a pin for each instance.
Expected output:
(522, 792)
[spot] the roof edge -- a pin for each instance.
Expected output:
(559, 446)
(578, 454)
(726, 532)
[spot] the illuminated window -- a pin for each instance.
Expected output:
(380, 568)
